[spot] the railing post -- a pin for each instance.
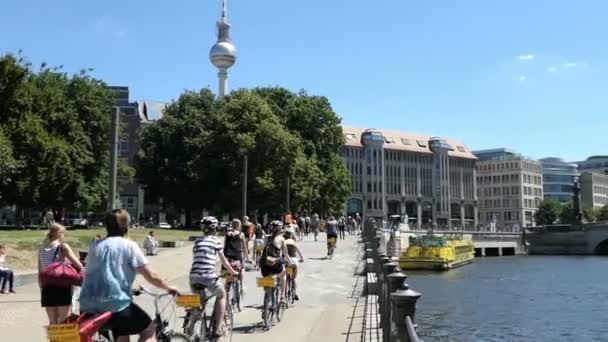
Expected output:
(403, 304)
(383, 259)
(395, 280)
(387, 269)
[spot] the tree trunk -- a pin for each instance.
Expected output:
(188, 214)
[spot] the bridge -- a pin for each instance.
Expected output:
(587, 239)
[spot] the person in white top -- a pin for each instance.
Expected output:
(150, 244)
(6, 274)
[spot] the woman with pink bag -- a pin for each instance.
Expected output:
(57, 300)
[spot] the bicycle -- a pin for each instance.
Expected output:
(331, 246)
(272, 309)
(93, 328)
(200, 327)
(290, 288)
(234, 283)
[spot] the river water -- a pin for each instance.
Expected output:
(515, 298)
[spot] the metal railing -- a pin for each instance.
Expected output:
(396, 301)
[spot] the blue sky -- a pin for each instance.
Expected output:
(528, 75)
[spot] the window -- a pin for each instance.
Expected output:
(369, 204)
(389, 140)
(350, 136)
(421, 143)
(406, 141)
(461, 149)
(128, 201)
(123, 146)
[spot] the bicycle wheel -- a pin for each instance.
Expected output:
(176, 337)
(267, 309)
(194, 327)
(228, 324)
(237, 295)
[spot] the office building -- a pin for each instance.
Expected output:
(429, 179)
(558, 177)
(133, 117)
(594, 189)
(597, 164)
(509, 189)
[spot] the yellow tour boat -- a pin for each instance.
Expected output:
(436, 253)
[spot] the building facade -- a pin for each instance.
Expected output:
(558, 178)
(429, 179)
(509, 189)
(597, 164)
(594, 189)
(133, 117)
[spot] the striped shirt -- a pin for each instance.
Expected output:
(204, 256)
(49, 254)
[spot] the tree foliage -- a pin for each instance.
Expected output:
(59, 129)
(602, 214)
(548, 212)
(193, 156)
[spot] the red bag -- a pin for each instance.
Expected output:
(60, 274)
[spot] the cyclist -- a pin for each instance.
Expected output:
(293, 251)
(331, 229)
(260, 237)
(275, 256)
(112, 264)
(205, 253)
(235, 248)
(315, 224)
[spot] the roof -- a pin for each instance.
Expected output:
(406, 141)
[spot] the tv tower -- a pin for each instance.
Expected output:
(223, 52)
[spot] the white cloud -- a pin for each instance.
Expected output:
(571, 65)
(522, 78)
(528, 57)
(552, 69)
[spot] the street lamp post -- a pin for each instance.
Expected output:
(113, 159)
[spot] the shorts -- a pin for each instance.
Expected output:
(259, 242)
(200, 285)
(130, 321)
(237, 265)
(294, 261)
(329, 236)
(55, 296)
(273, 270)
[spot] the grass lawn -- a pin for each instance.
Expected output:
(22, 246)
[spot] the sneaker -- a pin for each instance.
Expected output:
(12, 291)
(295, 297)
(4, 292)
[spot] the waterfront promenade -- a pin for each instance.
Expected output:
(330, 306)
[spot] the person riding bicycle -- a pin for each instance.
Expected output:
(293, 251)
(206, 251)
(331, 229)
(275, 256)
(235, 248)
(112, 264)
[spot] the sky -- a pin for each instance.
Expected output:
(529, 75)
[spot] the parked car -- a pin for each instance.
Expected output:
(164, 225)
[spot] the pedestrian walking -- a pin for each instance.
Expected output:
(315, 224)
(6, 274)
(342, 227)
(57, 300)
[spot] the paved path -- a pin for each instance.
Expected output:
(330, 306)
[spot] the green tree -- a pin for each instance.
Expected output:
(59, 127)
(319, 128)
(174, 161)
(548, 212)
(602, 214)
(590, 214)
(567, 214)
